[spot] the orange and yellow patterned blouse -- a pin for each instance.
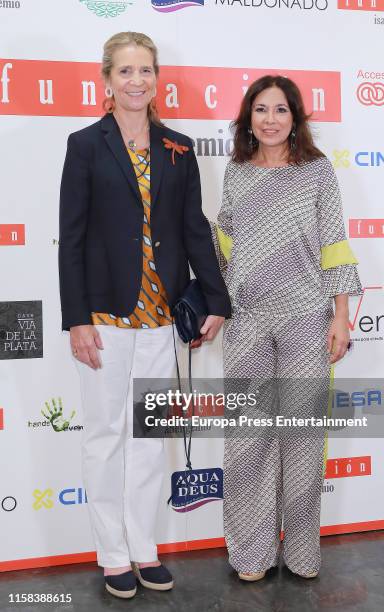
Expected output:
(152, 309)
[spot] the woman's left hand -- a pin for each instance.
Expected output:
(209, 330)
(338, 338)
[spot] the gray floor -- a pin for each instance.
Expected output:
(351, 580)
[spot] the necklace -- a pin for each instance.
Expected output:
(131, 142)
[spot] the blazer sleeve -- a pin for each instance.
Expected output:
(75, 194)
(199, 245)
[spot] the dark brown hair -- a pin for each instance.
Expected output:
(302, 146)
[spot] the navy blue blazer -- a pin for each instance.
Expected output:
(101, 225)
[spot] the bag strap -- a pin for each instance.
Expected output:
(187, 429)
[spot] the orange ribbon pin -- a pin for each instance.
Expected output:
(176, 148)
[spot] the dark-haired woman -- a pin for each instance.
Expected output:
(281, 230)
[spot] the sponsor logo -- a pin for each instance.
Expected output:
(55, 417)
(43, 499)
(371, 94)
(215, 146)
(66, 497)
(341, 158)
(21, 330)
(368, 401)
(358, 399)
(10, 4)
(361, 5)
(106, 9)
(12, 234)
(327, 488)
(344, 467)
(366, 228)
(194, 488)
(54, 414)
(1, 419)
(320, 5)
(363, 159)
(169, 6)
(63, 89)
(70, 497)
(368, 327)
(8, 503)
(369, 158)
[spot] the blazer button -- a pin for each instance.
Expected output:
(157, 244)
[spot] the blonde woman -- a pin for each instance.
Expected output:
(130, 224)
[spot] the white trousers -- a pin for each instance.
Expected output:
(123, 475)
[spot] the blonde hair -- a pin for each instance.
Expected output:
(123, 39)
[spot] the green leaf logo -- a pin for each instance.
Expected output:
(106, 9)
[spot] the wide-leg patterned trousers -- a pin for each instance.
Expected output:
(274, 480)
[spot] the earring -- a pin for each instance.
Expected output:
(252, 139)
(293, 138)
(108, 92)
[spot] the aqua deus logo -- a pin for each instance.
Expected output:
(194, 488)
(107, 9)
(21, 330)
(170, 6)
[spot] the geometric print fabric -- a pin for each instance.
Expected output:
(279, 220)
(273, 480)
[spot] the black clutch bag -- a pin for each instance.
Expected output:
(190, 312)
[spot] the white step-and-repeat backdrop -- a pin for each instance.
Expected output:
(210, 50)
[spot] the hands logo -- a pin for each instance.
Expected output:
(169, 6)
(55, 415)
(106, 9)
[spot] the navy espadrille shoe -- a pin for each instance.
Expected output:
(123, 585)
(157, 578)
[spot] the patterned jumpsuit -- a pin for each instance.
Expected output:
(288, 257)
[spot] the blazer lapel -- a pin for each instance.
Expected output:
(157, 159)
(115, 142)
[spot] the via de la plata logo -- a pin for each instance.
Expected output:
(194, 488)
(107, 8)
(170, 6)
(21, 330)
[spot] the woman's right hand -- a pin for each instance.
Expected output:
(85, 342)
